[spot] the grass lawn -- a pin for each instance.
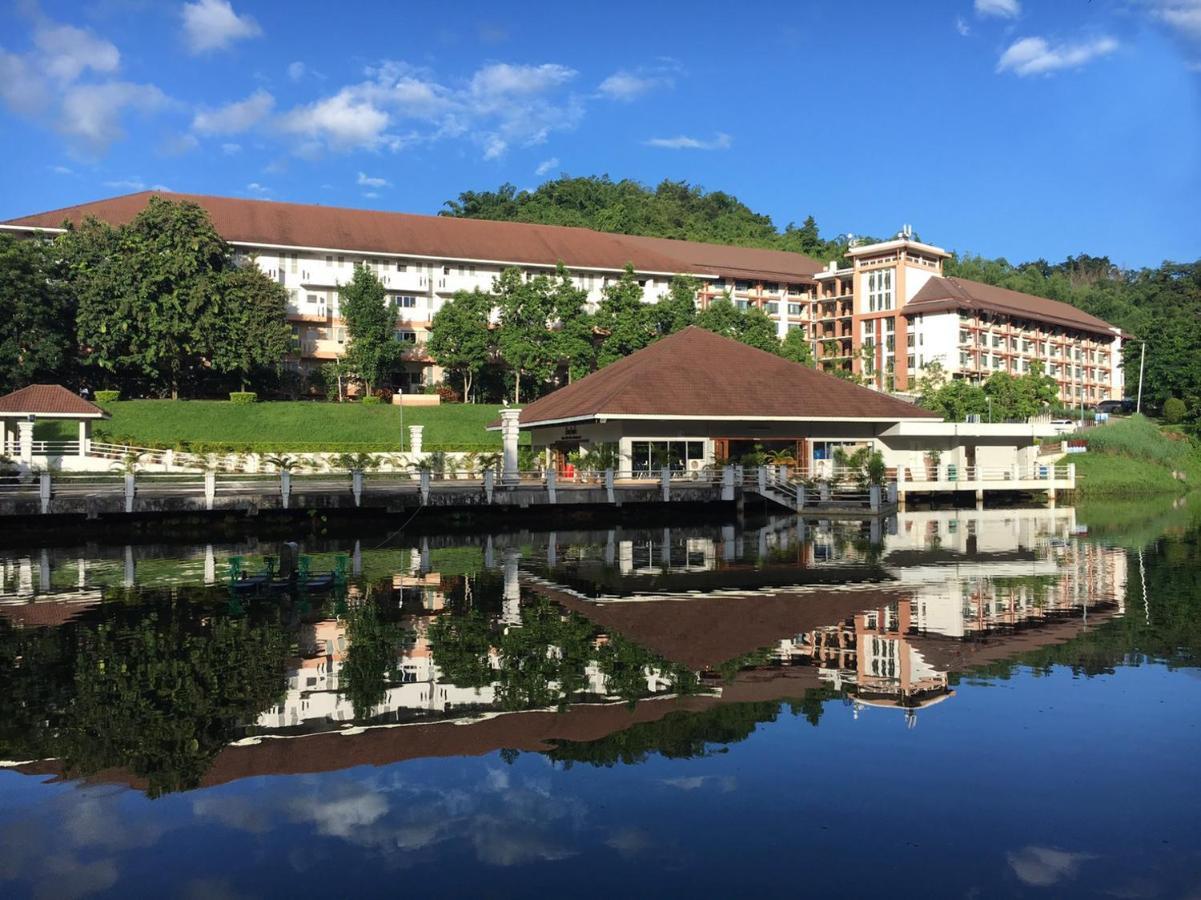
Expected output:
(1133, 457)
(283, 425)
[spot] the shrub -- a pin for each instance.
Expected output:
(243, 397)
(447, 393)
(371, 400)
(1174, 410)
(107, 396)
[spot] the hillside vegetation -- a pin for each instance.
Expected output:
(1131, 457)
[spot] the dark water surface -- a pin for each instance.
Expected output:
(956, 703)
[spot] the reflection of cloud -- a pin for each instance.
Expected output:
(91, 823)
(723, 783)
(233, 812)
(498, 843)
(64, 877)
(341, 817)
(1044, 866)
(630, 841)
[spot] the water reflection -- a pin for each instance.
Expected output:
(123, 660)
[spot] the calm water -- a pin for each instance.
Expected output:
(994, 703)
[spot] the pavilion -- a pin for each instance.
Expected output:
(695, 399)
(22, 408)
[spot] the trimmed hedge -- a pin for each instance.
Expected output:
(371, 401)
(107, 396)
(243, 397)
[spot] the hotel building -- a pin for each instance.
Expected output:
(886, 317)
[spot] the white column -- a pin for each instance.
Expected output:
(3, 437)
(509, 432)
(489, 485)
(85, 434)
(415, 440)
(551, 482)
(25, 441)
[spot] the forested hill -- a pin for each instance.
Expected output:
(674, 209)
(1161, 305)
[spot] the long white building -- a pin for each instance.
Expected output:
(888, 316)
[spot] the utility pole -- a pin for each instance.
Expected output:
(1142, 358)
(402, 419)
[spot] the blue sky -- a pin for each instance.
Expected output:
(1021, 128)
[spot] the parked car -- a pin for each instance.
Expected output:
(1116, 407)
(1063, 426)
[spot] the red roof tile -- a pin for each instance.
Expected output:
(699, 374)
(48, 400)
(944, 294)
(271, 223)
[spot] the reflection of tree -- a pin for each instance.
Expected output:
(678, 735)
(626, 666)
(461, 646)
(542, 662)
(156, 689)
(374, 645)
(37, 685)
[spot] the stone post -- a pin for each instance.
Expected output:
(130, 574)
(511, 592)
(168, 460)
(800, 496)
(552, 480)
(285, 486)
(210, 565)
(824, 490)
(44, 491)
(130, 491)
(415, 440)
(25, 441)
(489, 484)
(609, 495)
(873, 494)
(356, 559)
(665, 483)
(762, 479)
(509, 432)
(727, 482)
(892, 493)
(210, 488)
(425, 486)
(552, 549)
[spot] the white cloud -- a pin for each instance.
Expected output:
(62, 170)
(962, 26)
(720, 141)
(1044, 866)
(343, 121)
(500, 106)
(23, 89)
(365, 180)
(213, 25)
(296, 70)
(255, 188)
(1182, 16)
(628, 86)
(1005, 9)
(371, 195)
(547, 165)
(234, 118)
(135, 183)
(1035, 56)
(67, 51)
(91, 113)
(231, 149)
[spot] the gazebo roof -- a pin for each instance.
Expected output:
(48, 401)
(696, 374)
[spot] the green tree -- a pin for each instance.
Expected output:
(797, 348)
(1174, 410)
(371, 658)
(573, 342)
(758, 330)
(524, 337)
(460, 338)
(721, 316)
(37, 342)
(146, 299)
(622, 319)
(251, 325)
(371, 347)
(676, 309)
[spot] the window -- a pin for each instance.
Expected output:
(912, 363)
(647, 456)
(879, 290)
(292, 263)
(794, 309)
(773, 309)
(329, 260)
(965, 336)
(402, 266)
(406, 337)
(341, 262)
(742, 305)
(405, 301)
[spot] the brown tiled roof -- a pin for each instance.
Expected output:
(268, 222)
(48, 400)
(942, 294)
(699, 374)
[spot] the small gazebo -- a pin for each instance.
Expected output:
(44, 401)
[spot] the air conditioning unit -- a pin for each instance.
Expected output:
(695, 465)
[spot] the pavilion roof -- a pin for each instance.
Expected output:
(48, 400)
